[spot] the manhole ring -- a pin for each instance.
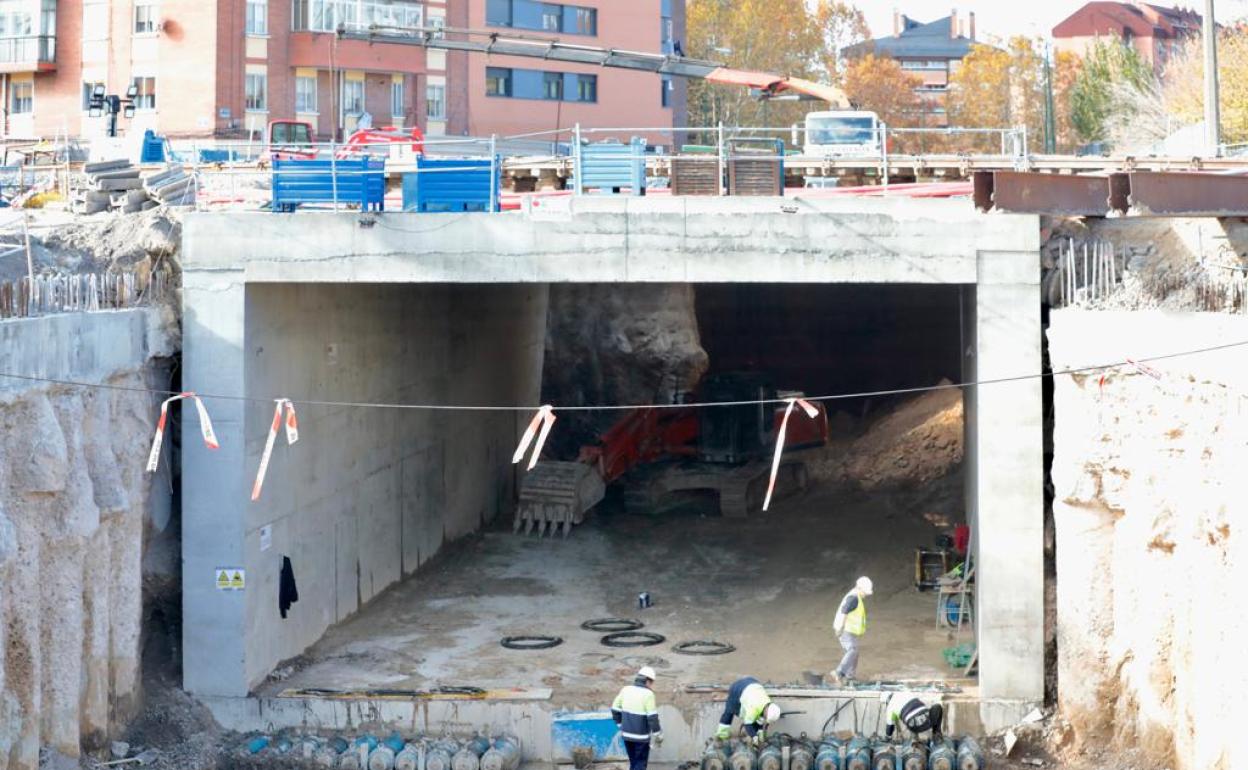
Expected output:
(612, 625)
(633, 639)
(530, 642)
(703, 647)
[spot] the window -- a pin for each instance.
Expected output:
(398, 102)
(497, 81)
(667, 34)
(144, 17)
(88, 89)
(22, 101)
(435, 102)
(586, 20)
(438, 23)
(552, 17)
(587, 88)
(145, 93)
(305, 94)
(290, 133)
(923, 64)
(666, 85)
(257, 92)
(257, 17)
(498, 13)
(353, 97)
(327, 15)
(552, 86)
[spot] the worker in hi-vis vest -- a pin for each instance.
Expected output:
(850, 625)
(637, 714)
(748, 700)
(910, 712)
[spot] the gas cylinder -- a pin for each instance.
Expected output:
(801, 756)
(440, 753)
(942, 756)
(771, 757)
(914, 756)
(858, 754)
(382, 758)
(408, 758)
(469, 756)
(742, 757)
(970, 755)
(829, 756)
(503, 755)
(350, 760)
(883, 756)
(716, 756)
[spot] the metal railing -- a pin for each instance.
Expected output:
(28, 49)
(329, 15)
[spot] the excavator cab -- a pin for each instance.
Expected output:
(736, 434)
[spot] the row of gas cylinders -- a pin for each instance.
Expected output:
(367, 752)
(857, 753)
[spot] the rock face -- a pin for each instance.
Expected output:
(621, 344)
(74, 508)
(1148, 473)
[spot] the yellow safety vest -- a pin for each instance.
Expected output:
(856, 621)
(754, 701)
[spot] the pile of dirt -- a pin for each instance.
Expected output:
(918, 442)
(63, 243)
(180, 730)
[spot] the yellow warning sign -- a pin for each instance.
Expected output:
(231, 579)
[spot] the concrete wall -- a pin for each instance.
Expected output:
(629, 241)
(76, 509)
(367, 495)
(1150, 489)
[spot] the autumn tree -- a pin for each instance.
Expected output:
(1066, 66)
(842, 25)
(1183, 90)
(1110, 82)
(979, 92)
(880, 85)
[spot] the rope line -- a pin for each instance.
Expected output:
(1132, 362)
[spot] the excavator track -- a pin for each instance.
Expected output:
(555, 495)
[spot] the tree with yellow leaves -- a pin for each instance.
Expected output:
(1000, 88)
(880, 85)
(1183, 84)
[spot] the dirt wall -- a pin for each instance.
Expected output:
(76, 509)
(1150, 478)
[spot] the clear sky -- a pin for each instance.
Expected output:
(1006, 18)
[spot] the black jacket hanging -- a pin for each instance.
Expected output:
(287, 593)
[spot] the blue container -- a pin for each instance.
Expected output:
(611, 167)
(452, 185)
(360, 182)
(153, 148)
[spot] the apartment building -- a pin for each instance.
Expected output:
(226, 68)
(1155, 31)
(932, 51)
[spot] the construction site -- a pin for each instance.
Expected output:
(291, 478)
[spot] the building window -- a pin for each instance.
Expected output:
(924, 64)
(88, 90)
(257, 92)
(435, 102)
(587, 88)
(667, 34)
(552, 17)
(544, 17)
(144, 17)
(257, 17)
(438, 23)
(353, 97)
(666, 97)
(305, 94)
(497, 81)
(398, 102)
(145, 93)
(22, 101)
(498, 13)
(586, 20)
(328, 15)
(552, 86)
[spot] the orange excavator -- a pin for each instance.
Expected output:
(656, 452)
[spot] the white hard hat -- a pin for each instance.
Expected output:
(771, 713)
(647, 673)
(864, 585)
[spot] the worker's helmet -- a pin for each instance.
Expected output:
(771, 713)
(647, 672)
(864, 585)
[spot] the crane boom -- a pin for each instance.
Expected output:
(487, 42)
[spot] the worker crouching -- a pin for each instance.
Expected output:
(637, 714)
(750, 702)
(913, 715)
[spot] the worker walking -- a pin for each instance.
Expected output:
(850, 624)
(748, 700)
(637, 714)
(914, 715)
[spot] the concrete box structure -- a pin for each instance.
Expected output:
(450, 308)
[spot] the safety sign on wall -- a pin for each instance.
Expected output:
(231, 579)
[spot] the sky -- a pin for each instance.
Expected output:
(1006, 18)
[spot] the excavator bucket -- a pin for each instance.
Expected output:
(556, 495)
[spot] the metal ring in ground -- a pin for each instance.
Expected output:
(633, 639)
(701, 647)
(612, 625)
(531, 642)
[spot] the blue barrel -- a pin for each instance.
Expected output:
(970, 755)
(914, 756)
(858, 754)
(829, 755)
(943, 755)
(770, 757)
(884, 756)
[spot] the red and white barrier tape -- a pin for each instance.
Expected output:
(292, 435)
(812, 413)
(205, 428)
(544, 417)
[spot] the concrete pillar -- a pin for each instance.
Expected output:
(1008, 468)
(213, 484)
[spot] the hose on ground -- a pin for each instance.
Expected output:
(633, 639)
(612, 625)
(703, 647)
(531, 642)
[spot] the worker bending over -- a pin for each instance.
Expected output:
(637, 714)
(913, 714)
(850, 624)
(748, 700)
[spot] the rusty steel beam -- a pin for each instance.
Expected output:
(1188, 194)
(1022, 192)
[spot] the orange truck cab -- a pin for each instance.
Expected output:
(294, 139)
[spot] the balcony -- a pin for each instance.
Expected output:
(328, 15)
(28, 53)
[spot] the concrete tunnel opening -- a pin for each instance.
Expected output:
(399, 523)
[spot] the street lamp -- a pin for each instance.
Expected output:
(112, 105)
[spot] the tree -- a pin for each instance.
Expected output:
(1066, 66)
(979, 92)
(842, 25)
(883, 87)
(1183, 91)
(1112, 76)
